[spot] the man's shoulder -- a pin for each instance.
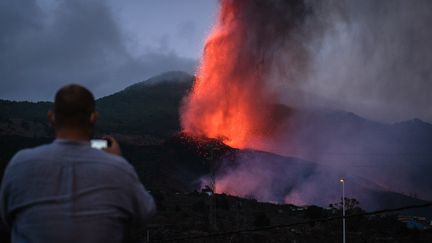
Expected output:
(46, 155)
(29, 153)
(102, 158)
(105, 157)
(52, 151)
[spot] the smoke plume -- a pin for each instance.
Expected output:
(375, 60)
(272, 69)
(232, 98)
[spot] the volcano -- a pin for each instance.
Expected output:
(233, 168)
(178, 162)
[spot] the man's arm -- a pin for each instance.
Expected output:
(143, 202)
(144, 205)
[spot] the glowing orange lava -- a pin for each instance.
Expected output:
(229, 100)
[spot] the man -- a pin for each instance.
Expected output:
(67, 191)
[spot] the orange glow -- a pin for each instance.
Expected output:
(229, 100)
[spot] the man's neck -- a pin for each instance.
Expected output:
(73, 135)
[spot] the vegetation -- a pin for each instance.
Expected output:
(145, 118)
(144, 110)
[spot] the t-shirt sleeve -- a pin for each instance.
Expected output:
(142, 203)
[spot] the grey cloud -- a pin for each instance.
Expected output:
(187, 30)
(371, 57)
(376, 60)
(77, 41)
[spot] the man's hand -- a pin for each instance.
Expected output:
(114, 148)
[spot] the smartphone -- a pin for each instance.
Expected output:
(99, 143)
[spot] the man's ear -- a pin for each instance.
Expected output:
(93, 117)
(51, 117)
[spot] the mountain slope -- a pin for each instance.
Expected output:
(147, 114)
(147, 108)
(396, 156)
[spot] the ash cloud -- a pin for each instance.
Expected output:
(251, 45)
(368, 57)
(72, 41)
(375, 60)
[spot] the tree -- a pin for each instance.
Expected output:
(351, 206)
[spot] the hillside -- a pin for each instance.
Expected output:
(381, 151)
(145, 111)
(145, 118)
(148, 108)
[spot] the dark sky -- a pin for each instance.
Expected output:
(105, 45)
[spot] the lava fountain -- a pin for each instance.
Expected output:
(231, 98)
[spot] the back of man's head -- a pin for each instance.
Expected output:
(73, 107)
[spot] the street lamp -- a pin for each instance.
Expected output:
(342, 181)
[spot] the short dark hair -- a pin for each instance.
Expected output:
(73, 106)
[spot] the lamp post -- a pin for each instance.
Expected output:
(343, 208)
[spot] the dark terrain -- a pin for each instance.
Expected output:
(145, 118)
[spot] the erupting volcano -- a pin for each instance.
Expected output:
(233, 98)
